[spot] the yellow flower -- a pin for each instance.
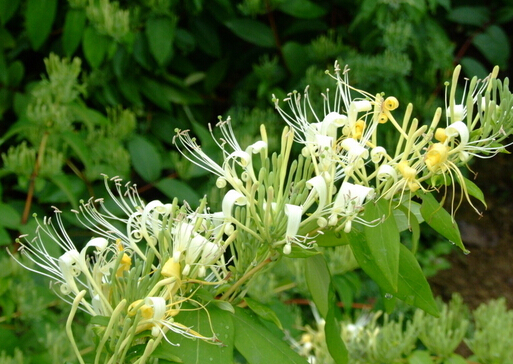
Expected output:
(436, 156)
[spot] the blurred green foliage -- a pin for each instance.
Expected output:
(98, 86)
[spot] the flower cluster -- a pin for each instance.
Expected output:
(148, 261)
(285, 201)
(139, 269)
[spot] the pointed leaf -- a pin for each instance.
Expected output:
(263, 311)
(7, 9)
(336, 346)
(95, 46)
(474, 191)
(440, 220)
(198, 351)
(77, 143)
(174, 188)
(39, 15)
(494, 45)
(383, 239)
(74, 25)
(252, 31)
(145, 158)
(9, 217)
(302, 9)
(412, 286)
(318, 279)
(160, 32)
(155, 92)
(420, 357)
(257, 344)
(66, 186)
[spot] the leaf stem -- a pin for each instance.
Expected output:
(32, 183)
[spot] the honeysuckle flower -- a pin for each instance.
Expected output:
(237, 165)
(157, 317)
(74, 270)
(294, 214)
(349, 203)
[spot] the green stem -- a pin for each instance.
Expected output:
(244, 278)
(32, 183)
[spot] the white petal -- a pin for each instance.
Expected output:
(232, 198)
(377, 154)
(294, 213)
(458, 128)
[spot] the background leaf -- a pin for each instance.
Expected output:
(494, 45)
(383, 240)
(161, 32)
(440, 220)
(252, 31)
(73, 30)
(40, 15)
(146, 159)
(198, 351)
(257, 344)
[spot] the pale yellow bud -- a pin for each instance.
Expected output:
(359, 127)
(436, 156)
(440, 135)
(171, 269)
(407, 171)
(390, 103)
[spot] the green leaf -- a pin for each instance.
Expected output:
(74, 25)
(473, 190)
(155, 92)
(161, 353)
(336, 346)
(142, 51)
(252, 31)
(77, 143)
(174, 188)
(440, 220)
(7, 9)
(65, 185)
(473, 67)
(494, 45)
(206, 36)
(471, 15)
(215, 74)
(455, 359)
(257, 344)
(16, 71)
(412, 286)
(129, 88)
(298, 252)
(160, 32)
(199, 351)
(318, 279)
(39, 20)
(5, 238)
(345, 290)
(332, 238)
(409, 215)
(420, 357)
(95, 46)
(296, 56)
(302, 9)
(263, 311)
(145, 158)
(9, 217)
(383, 239)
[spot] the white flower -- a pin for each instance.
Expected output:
(74, 270)
(349, 203)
